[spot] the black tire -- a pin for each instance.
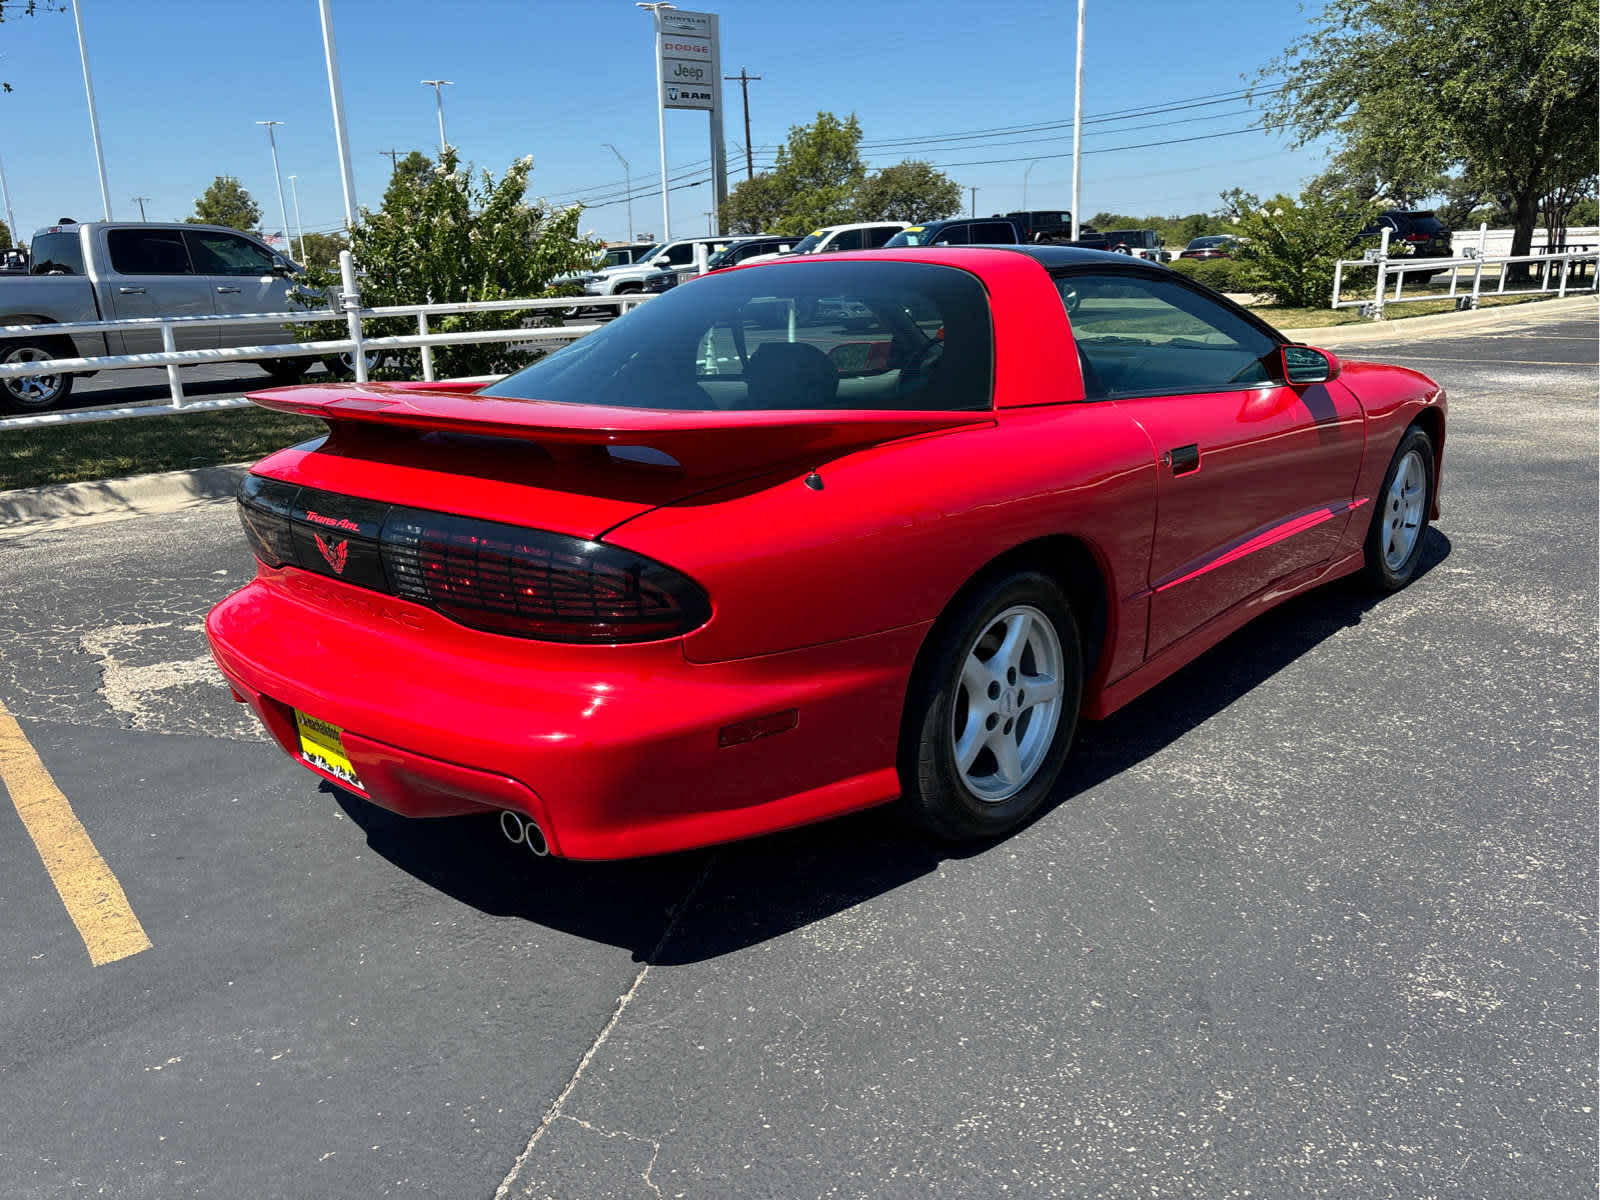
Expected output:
(934, 791)
(1385, 571)
(34, 393)
(339, 365)
(285, 371)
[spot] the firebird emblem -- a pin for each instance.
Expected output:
(335, 552)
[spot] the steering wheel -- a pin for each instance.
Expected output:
(919, 368)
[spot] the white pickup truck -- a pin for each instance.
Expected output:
(109, 271)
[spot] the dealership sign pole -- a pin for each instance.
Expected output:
(689, 72)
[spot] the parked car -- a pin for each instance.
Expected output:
(1415, 233)
(1052, 226)
(736, 252)
(105, 271)
(629, 277)
(894, 548)
(14, 261)
(624, 254)
(1213, 245)
(960, 231)
(1137, 243)
(831, 239)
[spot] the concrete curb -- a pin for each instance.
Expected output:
(1514, 316)
(25, 511)
(29, 510)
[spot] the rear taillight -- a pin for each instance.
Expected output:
(501, 578)
(1418, 237)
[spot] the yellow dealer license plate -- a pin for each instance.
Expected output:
(321, 746)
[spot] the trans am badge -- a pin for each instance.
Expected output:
(336, 552)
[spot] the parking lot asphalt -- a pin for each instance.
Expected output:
(1316, 917)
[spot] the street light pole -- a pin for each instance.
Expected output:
(11, 221)
(1077, 126)
(94, 117)
(973, 211)
(341, 134)
(661, 114)
(283, 209)
(299, 228)
(627, 184)
(438, 86)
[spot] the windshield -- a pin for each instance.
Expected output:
(909, 237)
(824, 334)
(1207, 243)
(810, 242)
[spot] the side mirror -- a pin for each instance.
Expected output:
(1307, 364)
(282, 266)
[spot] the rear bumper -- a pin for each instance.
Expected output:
(615, 750)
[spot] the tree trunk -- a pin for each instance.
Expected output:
(1524, 215)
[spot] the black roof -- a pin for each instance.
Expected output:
(1052, 257)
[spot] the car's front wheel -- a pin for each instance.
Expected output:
(32, 393)
(993, 710)
(1400, 515)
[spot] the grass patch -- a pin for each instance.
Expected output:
(1318, 318)
(109, 449)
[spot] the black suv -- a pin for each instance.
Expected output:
(1052, 226)
(1417, 233)
(960, 231)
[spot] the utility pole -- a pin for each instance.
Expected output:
(438, 86)
(744, 86)
(11, 221)
(394, 160)
(139, 200)
(974, 210)
(627, 184)
(283, 209)
(1025, 174)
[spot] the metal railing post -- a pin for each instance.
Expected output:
(351, 301)
(1383, 263)
(427, 351)
(1477, 274)
(1566, 266)
(174, 382)
(1338, 281)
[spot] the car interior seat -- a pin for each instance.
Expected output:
(791, 375)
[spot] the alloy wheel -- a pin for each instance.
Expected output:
(1007, 704)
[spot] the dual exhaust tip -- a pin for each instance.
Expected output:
(520, 831)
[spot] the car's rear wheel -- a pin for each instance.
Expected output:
(285, 371)
(1400, 515)
(32, 393)
(993, 709)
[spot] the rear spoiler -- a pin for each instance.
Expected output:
(698, 441)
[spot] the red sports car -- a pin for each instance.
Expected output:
(803, 538)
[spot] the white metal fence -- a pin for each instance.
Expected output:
(357, 344)
(1548, 273)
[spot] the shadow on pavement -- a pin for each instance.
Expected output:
(755, 890)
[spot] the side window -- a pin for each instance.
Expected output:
(680, 255)
(954, 235)
(876, 237)
(994, 233)
(225, 254)
(57, 254)
(1139, 336)
(847, 239)
(148, 252)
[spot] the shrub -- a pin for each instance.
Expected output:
(1223, 274)
(1289, 246)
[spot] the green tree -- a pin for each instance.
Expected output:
(909, 191)
(322, 249)
(819, 168)
(226, 202)
(756, 205)
(405, 180)
(445, 235)
(1289, 246)
(5, 236)
(1501, 89)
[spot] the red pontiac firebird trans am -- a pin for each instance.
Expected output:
(806, 537)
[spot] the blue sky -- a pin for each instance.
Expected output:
(180, 83)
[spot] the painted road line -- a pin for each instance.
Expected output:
(94, 899)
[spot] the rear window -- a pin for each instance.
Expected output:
(57, 254)
(1425, 223)
(856, 336)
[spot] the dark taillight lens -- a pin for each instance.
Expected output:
(264, 507)
(531, 583)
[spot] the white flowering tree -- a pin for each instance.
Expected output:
(445, 235)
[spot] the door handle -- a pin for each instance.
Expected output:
(1184, 460)
(228, 291)
(127, 291)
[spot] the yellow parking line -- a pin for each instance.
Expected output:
(95, 900)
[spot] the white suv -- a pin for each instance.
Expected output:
(863, 235)
(670, 256)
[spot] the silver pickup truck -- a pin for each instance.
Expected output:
(109, 271)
